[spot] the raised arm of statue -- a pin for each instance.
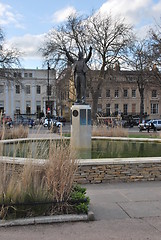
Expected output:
(89, 55)
(68, 56)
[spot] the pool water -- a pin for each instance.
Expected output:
(124, 149)
(100, 149)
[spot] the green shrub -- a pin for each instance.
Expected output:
(78, 188)
(82, 208)
(78, 195)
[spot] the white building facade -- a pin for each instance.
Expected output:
(31, 92)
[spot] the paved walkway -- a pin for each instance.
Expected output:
(123, 211)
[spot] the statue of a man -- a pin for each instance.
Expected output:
(79, 69)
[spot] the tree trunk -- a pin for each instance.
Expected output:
(141, 83)
(95, 90)
(141, 105)
(94, 105)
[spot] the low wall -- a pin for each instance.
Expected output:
(109, 170)
(118, 170)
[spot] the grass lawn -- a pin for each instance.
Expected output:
(145, 135)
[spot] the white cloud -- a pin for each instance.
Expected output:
(29, 46)
(63, 14)
(135, 12)
(9, 16)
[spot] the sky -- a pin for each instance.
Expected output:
(25, 22)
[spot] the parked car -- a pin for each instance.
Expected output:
(7, 119)
(47, 121)
(57, 123)
(156, 125)
(52, 122)
(31, 123)
(136, 121)
(28, 122)
(144, 125)
(60, 119)
(127, 124)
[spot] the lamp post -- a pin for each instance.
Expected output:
(48, 109)
(1, 60)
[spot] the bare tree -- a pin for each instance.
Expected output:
(155, 34)
(9, 59)
(139, 60)
(155, 40)
(108, 37)
(71, 37)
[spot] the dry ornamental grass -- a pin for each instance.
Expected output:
(103, 131)
(51, 181)
(13, 133)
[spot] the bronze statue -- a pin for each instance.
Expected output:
(79, 69)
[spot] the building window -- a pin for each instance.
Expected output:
(30, 75)
(125, 109)
(38, 107)
(28, 90)
(28, 107)
(1, 88)
(17, 107)
(133, 108)
(99, 108)
(125, 93)
(25, 75)
(38, 89)
(154, 108)
(1, 106)
(116, 109)
(108, 110)
(116, 93)
(107, 93)
(154, 93)
(49, 90)
(17, 75)
(133, 93)
(17, 89)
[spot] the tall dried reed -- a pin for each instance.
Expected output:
(13, 133)
(103, 131)
(60, 170)
(35, 182)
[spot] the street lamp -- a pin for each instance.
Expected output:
(1, 60)
(48, 109)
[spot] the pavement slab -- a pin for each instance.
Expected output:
(123, 211)
(142, 209)
(126, 229)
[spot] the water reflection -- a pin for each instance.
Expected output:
(100, 149)
(124, 149)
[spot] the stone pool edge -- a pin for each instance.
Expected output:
(109, 169)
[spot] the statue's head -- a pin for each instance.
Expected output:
(80, 55)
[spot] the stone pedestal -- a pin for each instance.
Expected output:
(81, 129)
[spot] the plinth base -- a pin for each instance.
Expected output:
(81, 127)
